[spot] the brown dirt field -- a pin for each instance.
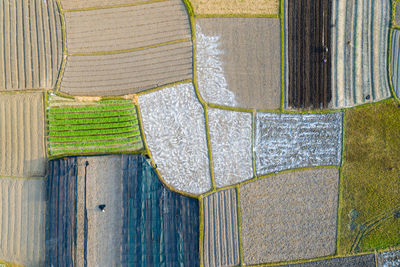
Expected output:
(251, 58)
(126, 27)
(31, 50)
(289, 216)
(22, 148)
(124, 73)
(221, 234)
(70, 4)
(221, 7)
(22, 221)
(103, 186)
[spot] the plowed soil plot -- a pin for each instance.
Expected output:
(308, 44)
(363, 260)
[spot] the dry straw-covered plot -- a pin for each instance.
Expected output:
(231, 143)
(289, 141)
(237, 7)
(175, 131)
(289, 216)
(127, 48)
(22, 221)
(22, 146)
(31, 50)
(221, 231)
(236, 66)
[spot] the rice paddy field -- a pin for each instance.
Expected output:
(235, 7)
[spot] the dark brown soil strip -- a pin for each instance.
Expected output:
(309, 37)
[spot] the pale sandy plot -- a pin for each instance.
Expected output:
(71, 4)
(174, 127)
(22, 148)
(231, 145)
(289, 216)
(31, 50)
(239, 61)
(221, 234)
(22, 221)
(125, 73)
(126, 27)
(221, 7)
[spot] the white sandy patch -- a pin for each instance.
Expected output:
(174, 126)
(211, 80)
(230, 135)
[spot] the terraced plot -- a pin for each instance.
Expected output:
(289, 216)
(22, 142)
(395, 61)
(289, 141)
(104, 126)
(360, 32)
(31, 50)
(22, 221)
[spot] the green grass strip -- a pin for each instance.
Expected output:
(95, 132)
(93, 137)
(92, 126)
(89, 115)
(133, 147)
(67, 109)
(93, 120)
(101, 143)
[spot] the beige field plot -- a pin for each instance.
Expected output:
(289, 216)
(239, 7)
(129, 27)
(22, 148)
(74, 4)
(22, 221)
(125, 73)
(221, 233)
(31, 50)
(239, 61)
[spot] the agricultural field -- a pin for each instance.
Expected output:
(289, 216)
(236, 67)
(367, 260)
(235, 7)
(88, 4)
(22, 221)
(82, 127)
(126, 49)
(370, 188)
(308, 35)
(31, 50)
(395, 61)
(231, 142)
(22, 141)
(397, 14)
(360, 35)
(221, 229)
(175, 131)
(290, 141)
(389, 258)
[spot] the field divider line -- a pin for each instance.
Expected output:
(229, 108)
(148, 152)
(238, 15)
(64, 46)
(128, 50)
(114, 6)
(239, 225)
(24, 91)
(201, 230)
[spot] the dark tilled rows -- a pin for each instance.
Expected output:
(308, 39)
(364, 260)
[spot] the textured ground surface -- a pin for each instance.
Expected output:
(22, 148)
(239, 7)
(364, 261)
(231, 142)
(22, 221)
(127, 49)
(288, 141)
(76, 4)
(359, 52)
(221, 234)
(289, 216)
(397, 15)
(174, 127)
(237, 67)
(389, 259)
(308, 32)
(395, 61)
(30, 54)
(82, 127)
(371, 189)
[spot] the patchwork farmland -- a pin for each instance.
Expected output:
(308, 53)
(102, 126)
(31, 50)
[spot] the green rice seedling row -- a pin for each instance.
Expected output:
(134, 147)
(94, 137)
(90, 108)
(92, 126)
(93, 120)
(95, 132)
(89, 115)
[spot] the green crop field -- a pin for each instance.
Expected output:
(106, 126)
